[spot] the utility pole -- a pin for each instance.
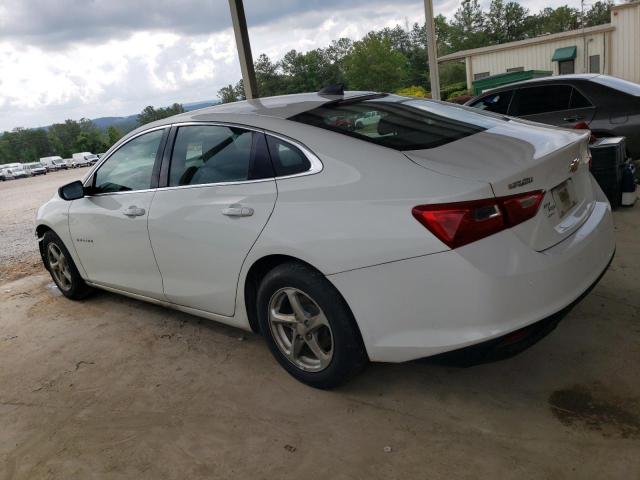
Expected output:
(244, 48)
(584, 39)
(432, 50)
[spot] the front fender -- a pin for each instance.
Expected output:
(54, 215)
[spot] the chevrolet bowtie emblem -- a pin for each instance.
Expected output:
(573, 166)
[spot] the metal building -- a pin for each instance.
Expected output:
(612, 48)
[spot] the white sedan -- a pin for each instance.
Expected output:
(439, 228)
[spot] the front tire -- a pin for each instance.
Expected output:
(309, 327)
(62, 268)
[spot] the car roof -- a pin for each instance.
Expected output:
(550, 79)
(282, 106)
(560, 78)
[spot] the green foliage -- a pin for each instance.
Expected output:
(505, 22)
(227, 94)
(64, 139)
(373, 64)
(151, 114)
(457, 93)
(452, 72)
(384, 60)
(391, 58)
(468, 26)
(113, 135)
(413, 91)
(454, 88)
(599, 13)
(23, 145)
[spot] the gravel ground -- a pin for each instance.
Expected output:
(19, 202)
(111, 387)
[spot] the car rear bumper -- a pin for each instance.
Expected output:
(437, 303)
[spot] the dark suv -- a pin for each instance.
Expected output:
(609, 106)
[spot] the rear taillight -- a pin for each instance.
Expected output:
(585, 126)
(460, 223)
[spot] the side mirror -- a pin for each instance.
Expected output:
(71, 191)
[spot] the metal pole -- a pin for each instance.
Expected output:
(432, 51)
(244, 48)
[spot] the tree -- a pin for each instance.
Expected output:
(558, 20)
(63, 137)
(373, 64)
(90, 138)
(270, 81)
(151, 114)
(309, 71)
(113, 135)
(468, 26)
(599, 13)
(227, 94)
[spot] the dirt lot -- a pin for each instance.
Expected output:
(19, 202)
(112, 387)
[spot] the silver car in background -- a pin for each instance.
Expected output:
(5, 174)
(35, 168)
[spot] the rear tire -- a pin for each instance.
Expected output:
(309, 327)
(62, 268)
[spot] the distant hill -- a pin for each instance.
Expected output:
(196, 105)
(129, 122)
(123, 123)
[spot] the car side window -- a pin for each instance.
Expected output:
(131, 166)
(543, 99)
(287, 158)
(578, 100)
(217, 154)
(497, 103)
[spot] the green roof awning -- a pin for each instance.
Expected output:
(564, 53)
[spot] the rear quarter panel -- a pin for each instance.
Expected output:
(357, 211)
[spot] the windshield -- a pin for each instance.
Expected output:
(618, 84)
(398, 122)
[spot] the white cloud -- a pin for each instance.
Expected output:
(42, 81)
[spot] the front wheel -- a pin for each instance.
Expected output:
(309, 327)
(62, 268)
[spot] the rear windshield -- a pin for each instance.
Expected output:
(398, 122)
(618, 84)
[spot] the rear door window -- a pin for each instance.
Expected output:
(542, 99)
(578, 100)
(217, 154)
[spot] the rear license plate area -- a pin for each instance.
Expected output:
(564, 197)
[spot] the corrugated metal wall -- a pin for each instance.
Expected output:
(625, 44)
(538, 56)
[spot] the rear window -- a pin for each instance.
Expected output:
(397, 122)
(618, 84)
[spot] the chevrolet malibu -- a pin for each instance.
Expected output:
(436, 229)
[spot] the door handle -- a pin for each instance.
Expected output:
(237, 211)
(134, 211)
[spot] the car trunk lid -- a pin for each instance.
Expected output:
(516, 157)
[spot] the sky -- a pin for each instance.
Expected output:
(64, 59)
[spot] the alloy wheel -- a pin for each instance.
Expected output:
(59, 266)
(300, 329)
